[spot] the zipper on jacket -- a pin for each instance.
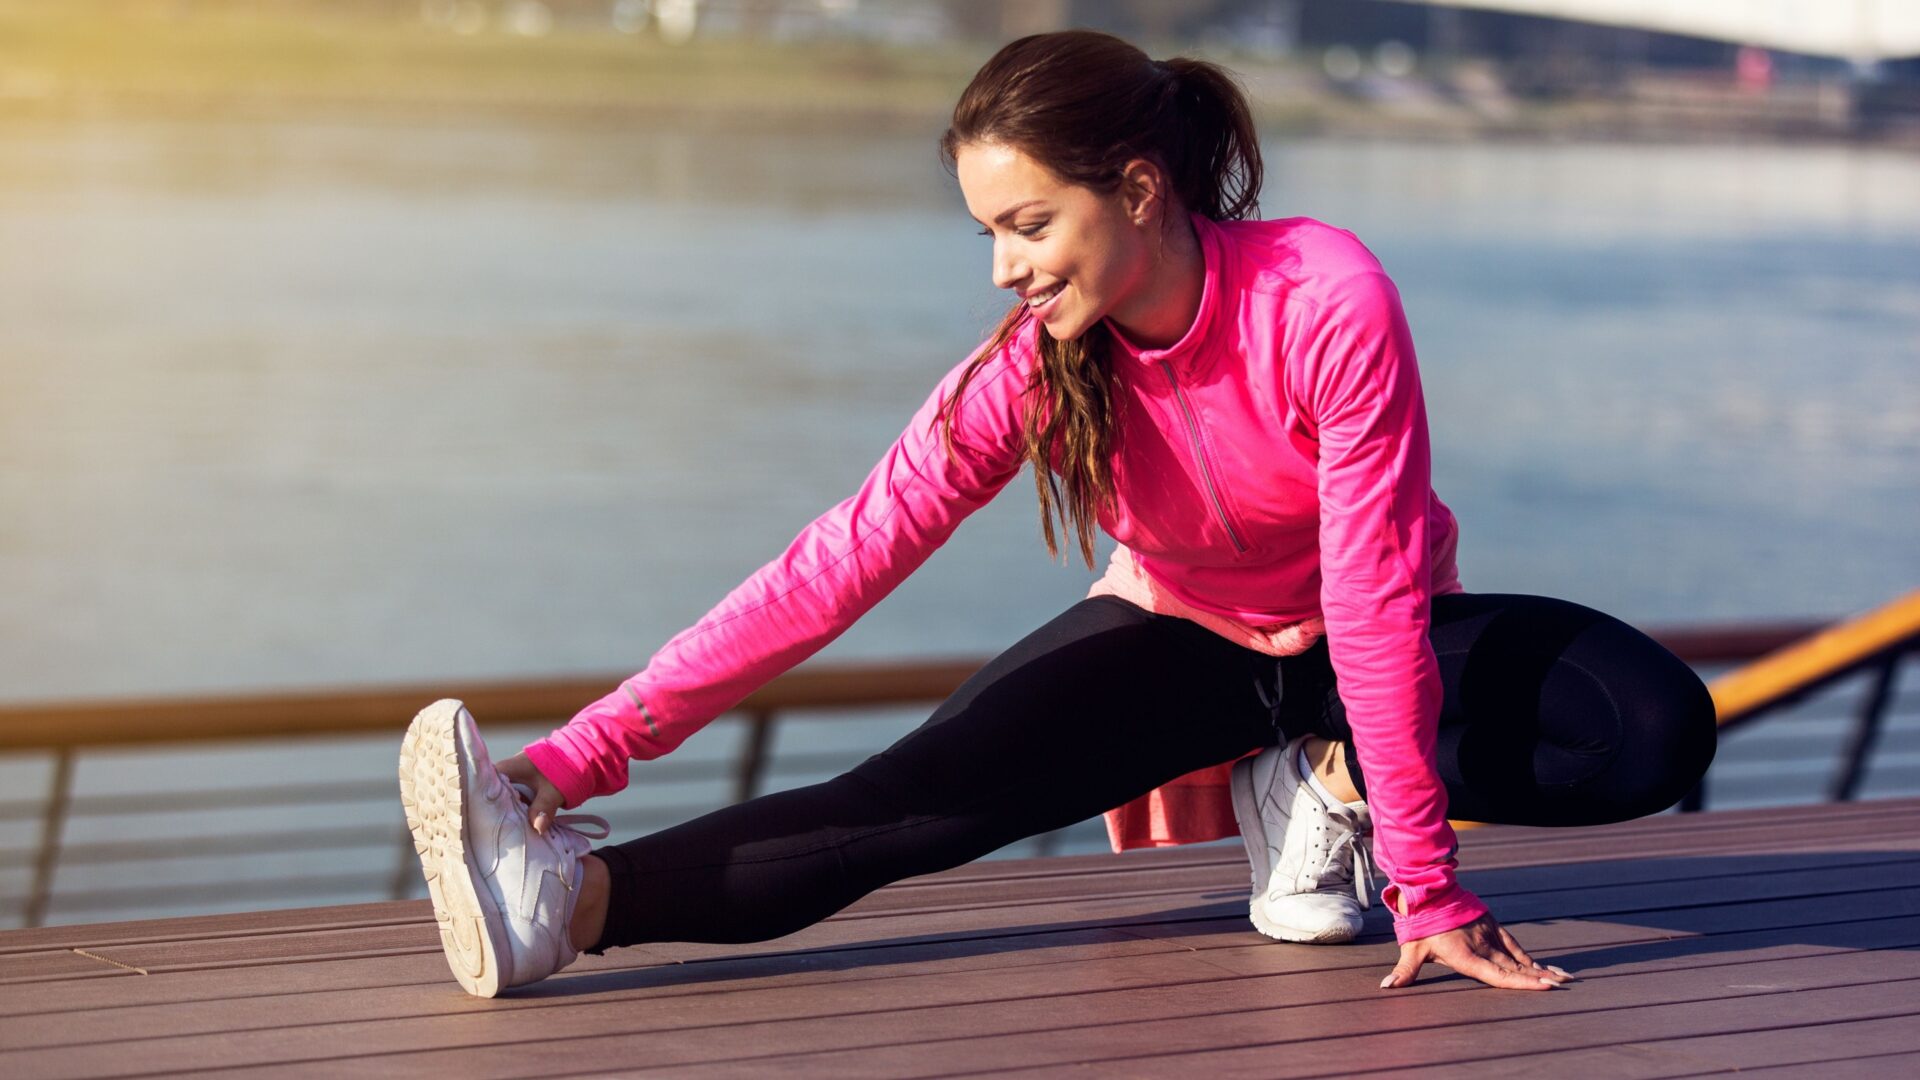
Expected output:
(1206, 474)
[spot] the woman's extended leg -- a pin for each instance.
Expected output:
(1100, 705)
(1554, 713)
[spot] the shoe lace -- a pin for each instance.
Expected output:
(1350, 843)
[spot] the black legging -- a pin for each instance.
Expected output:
(1554, 714)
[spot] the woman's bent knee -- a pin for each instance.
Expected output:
(1673, 740)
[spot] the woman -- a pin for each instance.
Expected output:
(1236, 402)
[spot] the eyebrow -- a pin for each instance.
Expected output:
(1012, 210)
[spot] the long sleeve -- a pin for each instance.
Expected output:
(1373, 479)
(837, 568)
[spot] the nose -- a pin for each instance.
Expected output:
(1008, 271)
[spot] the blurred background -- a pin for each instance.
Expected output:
(353, 352)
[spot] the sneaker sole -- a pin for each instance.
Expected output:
(433, 771)
(1246, 813)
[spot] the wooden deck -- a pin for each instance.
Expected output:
(1776, 942)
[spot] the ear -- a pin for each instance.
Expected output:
(1143, 190)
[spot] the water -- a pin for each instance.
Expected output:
(320, 404)
(312, 404)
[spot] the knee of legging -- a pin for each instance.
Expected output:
(1672, 740)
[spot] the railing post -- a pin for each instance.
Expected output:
(1866, 731)
(408, 868)
(52, 825)
(753, 756)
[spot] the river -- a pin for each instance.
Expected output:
(303, 404)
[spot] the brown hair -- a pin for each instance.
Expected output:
(1083, 104)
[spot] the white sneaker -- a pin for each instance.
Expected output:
(1311, 878)
(502, 893)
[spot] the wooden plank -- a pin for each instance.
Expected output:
(194, 927)
(1625, 1044)
(1899, 817)
(1873, 1067)
(1631, 902)
(1793, 839)
(181, 994)
(927, 894)
(1520, 895)
(736, 976)
(896, 951)
(1267, 1032)
(1023, 1028)
(1803, 1043)
(672, 1006)
(56, 964)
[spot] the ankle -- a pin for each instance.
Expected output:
(590, 907)
(1327, 766)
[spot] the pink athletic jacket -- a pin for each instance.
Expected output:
(1272, 465)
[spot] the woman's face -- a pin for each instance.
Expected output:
(1073, 254)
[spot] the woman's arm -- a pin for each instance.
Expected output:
(1375, 592)
(839, 566)
(1374, 485)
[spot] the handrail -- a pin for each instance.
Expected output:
(1876, 641)
(66, 728)
(1818, 659)
(363, 710)
(346, 711)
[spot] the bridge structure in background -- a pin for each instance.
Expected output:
(1859, 30)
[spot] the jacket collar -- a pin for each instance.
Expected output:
(1185, 353)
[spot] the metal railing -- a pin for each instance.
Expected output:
(67, 730)
(1874, 644)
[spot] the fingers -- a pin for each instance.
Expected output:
(1485, 970)
(1513, 947)
(542, 808)
(1484, 942)
(1403, 972)
(546, 797)
(1557, 974)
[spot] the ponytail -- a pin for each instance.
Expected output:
(1212, 151)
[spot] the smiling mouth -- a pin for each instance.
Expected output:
(1041, 299)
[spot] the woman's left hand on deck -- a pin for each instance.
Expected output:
(1483, 950)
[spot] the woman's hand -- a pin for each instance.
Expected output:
(546, 797)
(1482, 949)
